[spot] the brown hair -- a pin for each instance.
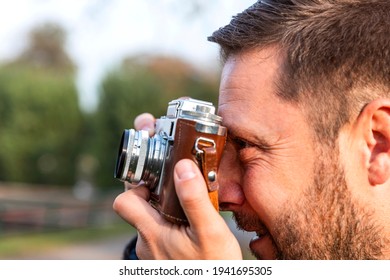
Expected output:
(337, 53)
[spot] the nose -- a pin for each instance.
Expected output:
(230, 193)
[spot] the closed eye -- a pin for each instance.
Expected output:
(241, 144)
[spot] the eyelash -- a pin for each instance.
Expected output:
(241, 144)
(244, 150)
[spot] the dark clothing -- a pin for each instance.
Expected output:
(129, 253)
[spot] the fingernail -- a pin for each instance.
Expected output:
(185, 170)
(147, 128)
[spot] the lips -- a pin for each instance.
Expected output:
(259, 236)
(262, 246)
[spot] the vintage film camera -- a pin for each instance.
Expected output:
(190, 130)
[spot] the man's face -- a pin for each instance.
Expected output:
(277, 181)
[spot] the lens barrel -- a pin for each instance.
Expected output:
(140, 157)
(122, 154)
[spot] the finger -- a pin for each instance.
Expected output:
(146, 122)
(134, 208)
(129, 186)
(193, 195)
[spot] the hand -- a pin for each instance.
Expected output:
(206, 237)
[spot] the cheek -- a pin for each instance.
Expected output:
(266, 192)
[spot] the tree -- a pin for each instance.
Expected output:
(46, 49)
(40, 119)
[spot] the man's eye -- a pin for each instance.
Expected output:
(241, 144)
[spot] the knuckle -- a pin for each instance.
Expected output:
(118, 204)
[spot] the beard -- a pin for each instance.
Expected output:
(326, 223)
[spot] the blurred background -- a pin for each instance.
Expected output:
(73, 75)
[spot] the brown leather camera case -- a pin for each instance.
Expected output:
(206, 155)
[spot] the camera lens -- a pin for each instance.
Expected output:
(140, 157)
(121, 158)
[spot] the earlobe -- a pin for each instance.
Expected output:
(377, 137)
(379, 170)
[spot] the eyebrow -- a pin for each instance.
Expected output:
(256, 140)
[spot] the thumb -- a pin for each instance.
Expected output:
(192, 192)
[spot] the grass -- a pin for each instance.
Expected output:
(13, 246)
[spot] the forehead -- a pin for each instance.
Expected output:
(254, 60)
(248, 93)
(248, 81)
(255, 69)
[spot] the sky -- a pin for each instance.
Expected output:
(100, 33)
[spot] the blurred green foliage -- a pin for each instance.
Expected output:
(39, 121)
(40, 117)
(44, 136)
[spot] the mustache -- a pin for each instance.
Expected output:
(246, 222)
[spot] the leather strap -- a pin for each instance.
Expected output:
(209, 163)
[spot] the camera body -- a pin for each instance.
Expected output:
(190, 130)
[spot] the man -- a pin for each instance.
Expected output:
(304, 94)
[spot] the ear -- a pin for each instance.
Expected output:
(375, 119)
